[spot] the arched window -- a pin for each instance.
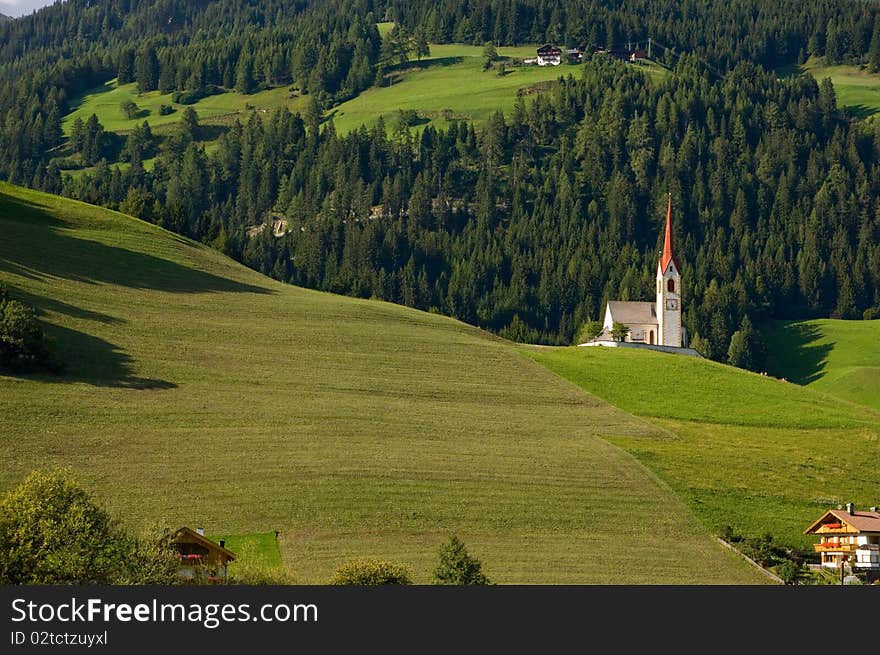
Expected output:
(651, 336)
(671, 285)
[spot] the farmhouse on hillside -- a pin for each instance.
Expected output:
(549, 55)
(199, 556)
(575, 55)
(653, 325)
(849, 537)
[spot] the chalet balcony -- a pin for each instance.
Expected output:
(835, 547)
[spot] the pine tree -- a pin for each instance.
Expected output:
(147, 69)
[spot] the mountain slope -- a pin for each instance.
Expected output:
(202, 393)
(749, 451)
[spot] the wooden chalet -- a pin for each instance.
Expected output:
(201, 558)
(849, 536)
(549, 55)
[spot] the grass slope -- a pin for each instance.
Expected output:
(745, 450)
(201, 393)
(854, 87)
(105, 102)
(841, 358)
(451, 81)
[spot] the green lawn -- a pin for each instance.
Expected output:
(260, 548)
(201, 393)
(745, 450)
(841, 358)
(384, 28)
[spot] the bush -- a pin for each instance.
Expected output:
(191, 97)
(23, 344)
(52, 533)
(789, 571)
(589, 331)
(370, 572)
(166, 110)
(871, 314)
(457, 567)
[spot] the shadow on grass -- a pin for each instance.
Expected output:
(421, 64)
(43, 305)
(797, 360)
(97, 362)
(860, 111)
(36, 246)
(80, 99)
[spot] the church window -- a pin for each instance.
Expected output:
(671, 285)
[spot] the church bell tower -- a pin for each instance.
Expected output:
(669, 290)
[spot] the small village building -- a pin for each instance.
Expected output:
(654, 325)
(549, 55)
(638, 55)
(575, 55)
(200, 558)
(849, 537)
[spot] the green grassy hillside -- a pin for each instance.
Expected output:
(201, 393)
(451, 82)
(105, 102)
(841, 358)
(744, 450)
(854, 87)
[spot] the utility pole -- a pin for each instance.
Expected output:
(649, 47)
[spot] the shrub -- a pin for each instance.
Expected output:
(789, 571)
(52, 533)
(23, 344)
(370, 572)
(457, 567)
(871, 314)
(166, 110)
(589, 331)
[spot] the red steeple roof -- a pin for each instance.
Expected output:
(668, 253)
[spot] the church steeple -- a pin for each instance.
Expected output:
(668, 307)
(668, 252)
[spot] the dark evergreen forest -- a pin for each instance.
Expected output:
(525, 226)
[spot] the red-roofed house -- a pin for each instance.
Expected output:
(851, 536)
(199, 556)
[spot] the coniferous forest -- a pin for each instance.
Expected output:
(524, 226)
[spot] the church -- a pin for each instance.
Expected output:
(652, 325)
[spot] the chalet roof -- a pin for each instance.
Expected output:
(861, 520)
(668, 251)
(627, 311)
(549, 49)
(188, 535)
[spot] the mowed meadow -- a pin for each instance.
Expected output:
(745, 450)
(201, 393)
